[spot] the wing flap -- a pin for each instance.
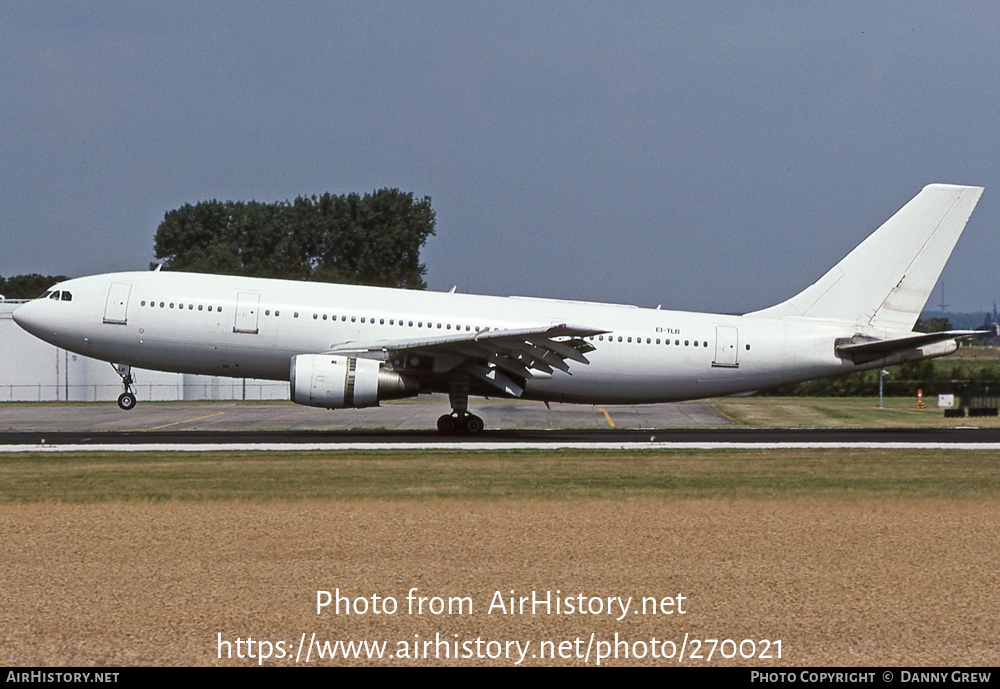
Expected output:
(496, 379)
(498, 357)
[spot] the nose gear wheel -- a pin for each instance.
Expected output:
(127, 399)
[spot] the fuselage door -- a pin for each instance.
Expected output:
(247, 308)
(726, 347)
(116, 307)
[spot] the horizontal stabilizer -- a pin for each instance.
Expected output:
(865, 350)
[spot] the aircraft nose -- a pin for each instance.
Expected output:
(27, 317)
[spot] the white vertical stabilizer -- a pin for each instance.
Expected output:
(884, 283)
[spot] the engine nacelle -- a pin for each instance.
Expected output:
(339, 382)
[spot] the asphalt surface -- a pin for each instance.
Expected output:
(183, 423)
(618, 435)
(411, 415)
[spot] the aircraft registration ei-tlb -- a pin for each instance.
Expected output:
(343, 346)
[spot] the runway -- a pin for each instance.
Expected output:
(247, 426)
(611, 438)
(407, 415)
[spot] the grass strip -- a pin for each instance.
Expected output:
(533, 474)
(841, 412)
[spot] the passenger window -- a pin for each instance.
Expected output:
(704, 344)
(696, 343)
(219, 309)
(209, 308)
(171, 304)
(324, 316)
(201, 306)
(267, 312)
(142, 303)
(354, 319)
(648, 341)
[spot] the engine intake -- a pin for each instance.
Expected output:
(341, 382)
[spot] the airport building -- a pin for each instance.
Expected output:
(35, 371)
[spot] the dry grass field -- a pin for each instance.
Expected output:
(847, 558)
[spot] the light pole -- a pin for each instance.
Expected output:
(882, 372)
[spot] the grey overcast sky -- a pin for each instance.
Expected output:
(715, 156)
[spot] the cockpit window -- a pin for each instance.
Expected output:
(67, 296)
(44, 294)
(54, 295)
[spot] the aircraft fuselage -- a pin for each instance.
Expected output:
(252, 327)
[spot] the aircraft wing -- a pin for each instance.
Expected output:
(869, 350)
(498, 357)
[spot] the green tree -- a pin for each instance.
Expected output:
(374, 239)
(27, 286)
(932, 325)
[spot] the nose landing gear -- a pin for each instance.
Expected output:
(126, 400)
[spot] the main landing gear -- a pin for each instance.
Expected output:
(126, 400)
(459, 420)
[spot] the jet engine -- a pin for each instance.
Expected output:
(339, 382)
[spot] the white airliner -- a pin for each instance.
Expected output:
(345, 346)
